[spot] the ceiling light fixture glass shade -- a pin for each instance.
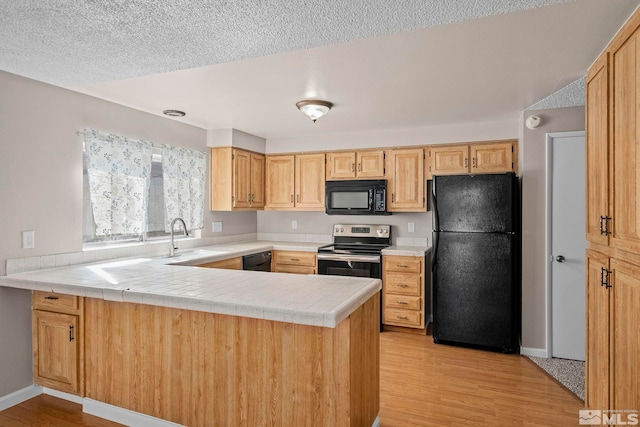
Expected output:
(314, 108)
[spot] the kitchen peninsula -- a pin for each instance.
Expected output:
(202, 346)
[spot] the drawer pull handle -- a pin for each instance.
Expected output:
(403, 318)
(295, 259)
(402, 266)
(71, 338)
(403, 302)
(403, 285)
(51, 298)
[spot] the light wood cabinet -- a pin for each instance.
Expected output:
(237, 179)
(404, 292)
(57, 341)
(485, 157)
(367, 164)
(597, 151)
(294, 262)
(295, 182)
(227, 264)
(405, 180)
(613, 224)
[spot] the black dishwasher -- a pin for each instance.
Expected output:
(257, 262)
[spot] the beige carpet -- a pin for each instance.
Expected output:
(569, 373)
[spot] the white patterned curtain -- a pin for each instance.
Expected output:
(184, 174)
(118, 171)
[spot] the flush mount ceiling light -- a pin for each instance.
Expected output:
(174, 113)
(314, 108)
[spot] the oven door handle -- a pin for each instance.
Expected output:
(343, 257)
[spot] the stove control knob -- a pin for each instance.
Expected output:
(341, 230)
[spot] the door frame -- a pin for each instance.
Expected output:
(550, 136)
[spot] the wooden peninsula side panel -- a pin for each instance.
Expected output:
(203, 369)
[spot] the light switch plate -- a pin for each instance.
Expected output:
(411, 227)
(294, 224)
(216, 226)
(28, 239)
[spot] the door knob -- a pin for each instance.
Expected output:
(560, 258)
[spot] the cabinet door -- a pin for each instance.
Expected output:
(597, 125)
(241, 179)
(405, 185)
(370, 164)
(625, 343)
(597, 366)
(280, 181)
(625, 181)
(55, 350)
(449, 160)
(341, 165)
(309, 181)
(491, 158)
(257, 180)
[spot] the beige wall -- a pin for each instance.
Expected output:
(533, 172)
(41, 188)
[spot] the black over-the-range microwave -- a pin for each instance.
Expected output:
(356, 197)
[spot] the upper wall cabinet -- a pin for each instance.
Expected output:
(597, 125)
(367, 164)
(295, 182)
(492, 157)
(237, 179)
(405, 180)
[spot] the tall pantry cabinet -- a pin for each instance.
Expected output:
(613, 224)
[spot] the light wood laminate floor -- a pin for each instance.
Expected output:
(421, 384)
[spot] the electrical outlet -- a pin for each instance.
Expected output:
(294, 224)
(411, 227)
(216, 226)
(28, 239)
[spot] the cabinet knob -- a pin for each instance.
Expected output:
(560, 258)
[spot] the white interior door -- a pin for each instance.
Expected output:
(567, 244)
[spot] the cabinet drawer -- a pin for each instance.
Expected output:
(296, 258)
(296, 269)
(403, 302)
(403, 284)
(56, 302)
(403, 317)
(403, 263)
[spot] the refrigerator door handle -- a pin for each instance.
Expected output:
(434, 207)
(434, 251)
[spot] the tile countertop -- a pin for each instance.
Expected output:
(170, 282)
(406, 250)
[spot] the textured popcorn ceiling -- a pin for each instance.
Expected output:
(72, 43)
(572, 95)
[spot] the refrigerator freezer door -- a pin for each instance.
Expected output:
(475, 298)
(475, 203)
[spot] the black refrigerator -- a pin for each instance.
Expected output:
(476, 261)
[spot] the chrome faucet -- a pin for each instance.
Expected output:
(174, 248)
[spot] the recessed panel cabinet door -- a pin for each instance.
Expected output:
(370, 164)
(241, 179)
(341, 165)
(625, 161)
(597, 366)
(449, 160)
(280, 181)
(257, 181)
(405, 184)
(491, 158)
(310, 179)
(56, 350)
(598, 151)
(625, 351)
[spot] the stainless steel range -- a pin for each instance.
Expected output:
(356, 250)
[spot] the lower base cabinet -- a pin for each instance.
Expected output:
(226, 264)
(613, 325)
(57, 341)
(294, 262)
(405, 296)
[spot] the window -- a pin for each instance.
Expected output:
(132, 190)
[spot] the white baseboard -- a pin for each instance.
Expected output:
(535, 352)
(123, 416)
(19, 396)
(62, 395)
(376, 422)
